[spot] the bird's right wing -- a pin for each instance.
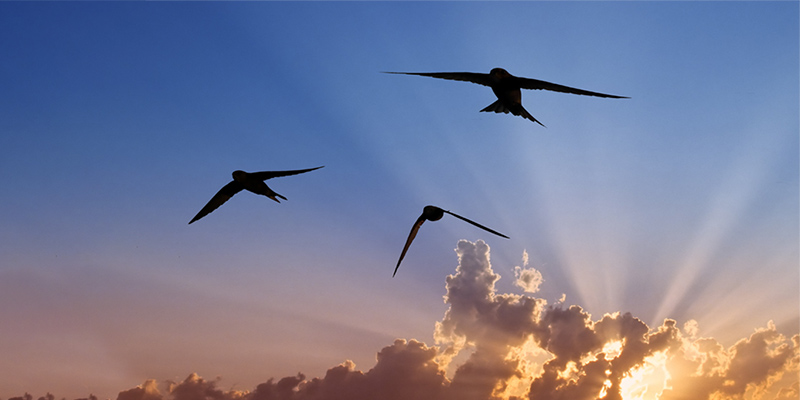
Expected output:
(264, 175)
(535, 84)
(221, 197)
(476, 224)
(410, 239)
(474, 77)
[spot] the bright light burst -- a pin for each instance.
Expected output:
(612, 349)
(647, 381)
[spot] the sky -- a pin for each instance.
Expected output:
(654, 241)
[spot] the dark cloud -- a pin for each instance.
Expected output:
(519, 347)
(404, 370)
(281, 390)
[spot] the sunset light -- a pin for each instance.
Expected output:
(369, 200)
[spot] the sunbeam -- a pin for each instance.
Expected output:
(676, 206)
(741, 182)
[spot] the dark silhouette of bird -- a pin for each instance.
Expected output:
(507, 89)
(433, 213)
(251, 181)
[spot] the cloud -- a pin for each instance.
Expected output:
(790, 392)
(196, 388)
(515, 346)
(529, 279)
(585, 359)
(147, 391)
(404, 370)
(495, 325)
(704, 368)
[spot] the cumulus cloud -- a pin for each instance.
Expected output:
(404, 370)
(196, 388)
(514, 346)
(147, 391)
(703, 368)
(494, 325)
(529, 279)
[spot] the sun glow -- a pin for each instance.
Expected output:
(531, 359)
(612, 349)
(647, 381)
(570, 372)
(604, 390)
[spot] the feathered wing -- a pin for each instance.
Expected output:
(410, 239)
(499, 107)
(264, 175)
(535, 84)
(474, 77)
(477, 224)
(220, 198)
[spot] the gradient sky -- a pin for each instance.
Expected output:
(119, 121)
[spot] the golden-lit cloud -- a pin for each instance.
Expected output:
(529, 279)
(492, 346)
(147, 391)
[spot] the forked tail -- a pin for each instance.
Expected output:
(517, 109)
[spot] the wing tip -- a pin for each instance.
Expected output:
(396, 268)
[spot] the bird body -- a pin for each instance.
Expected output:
(433, 213)
(507, 88)
(250, 181)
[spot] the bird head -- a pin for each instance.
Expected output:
(499, 73)
(238, 175)
(432, 213)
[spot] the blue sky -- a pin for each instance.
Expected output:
(118, 121)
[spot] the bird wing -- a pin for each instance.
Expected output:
(476, 224)
(410, 239)
(264, 175)
(221, 197)
(474, 77)
(535, 84)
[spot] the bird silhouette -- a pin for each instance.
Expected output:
(433, 213)
(253, 182)
(507, 89)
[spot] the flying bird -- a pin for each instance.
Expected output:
(433, 213)
(507, 89)
(252, 181)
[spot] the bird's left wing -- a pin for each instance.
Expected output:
(410, 239)
(264, 175)
(535, 84)
(476, 224)
(220, 198)
(474, 77)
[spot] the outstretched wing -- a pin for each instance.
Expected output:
(221, 197)
(474, 77)
(264, 175)
(535, 84)
(476, 224)
(410, 239)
